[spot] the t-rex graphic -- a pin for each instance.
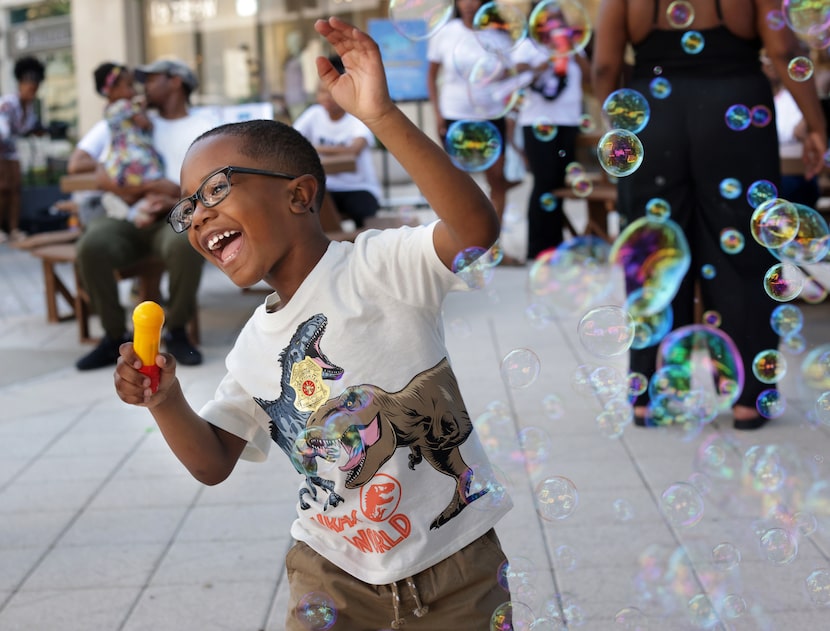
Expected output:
(287, 419)
(427, 415)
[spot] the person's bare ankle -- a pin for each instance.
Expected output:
(744, 413)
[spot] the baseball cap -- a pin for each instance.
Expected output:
(172, 67)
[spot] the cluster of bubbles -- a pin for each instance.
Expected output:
(700, 372)
(560, 28)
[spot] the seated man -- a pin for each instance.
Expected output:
(108, 243)
(333, 132)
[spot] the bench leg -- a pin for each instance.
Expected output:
(54, 286)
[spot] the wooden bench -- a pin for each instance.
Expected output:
(58, 248)
(147, 272)
(601, 201)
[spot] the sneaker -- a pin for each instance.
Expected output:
(179, 346)
(105, 354)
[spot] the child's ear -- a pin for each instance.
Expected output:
(303, 194)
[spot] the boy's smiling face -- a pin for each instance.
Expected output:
(252, 234)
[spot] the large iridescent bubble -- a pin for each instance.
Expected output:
(810, 242)
(774, 222)
(499, 26)
(494, 86)
(650, 329)
(805, 16)
(572, 276)
(419, 19)
(711, 354)
(606, 331)
(620, 152)
(655, 257)
(563, 27)
(473, 145)
(627, 109)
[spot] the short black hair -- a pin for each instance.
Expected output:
(102, 72)
(278, 147)
(29, 69)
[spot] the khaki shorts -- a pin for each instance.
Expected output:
(461, 592)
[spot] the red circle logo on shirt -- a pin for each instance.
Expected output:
(380, 498)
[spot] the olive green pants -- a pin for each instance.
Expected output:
(459, 593)
(109, 244)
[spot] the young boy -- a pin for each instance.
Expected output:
(344, 368)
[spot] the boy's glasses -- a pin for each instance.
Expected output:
(213, 189)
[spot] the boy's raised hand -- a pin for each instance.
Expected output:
(362, 91)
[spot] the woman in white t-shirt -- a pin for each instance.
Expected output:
(452, 52)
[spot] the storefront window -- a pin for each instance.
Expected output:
(250, 50)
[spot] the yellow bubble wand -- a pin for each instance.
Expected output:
(148, 318)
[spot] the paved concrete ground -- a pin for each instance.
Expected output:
(102, 529)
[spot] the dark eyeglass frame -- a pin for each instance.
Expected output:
(179, 225)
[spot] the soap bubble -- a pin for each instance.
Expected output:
(810, 238)
(606, 331)
(419, 19)
(620, 152)
(682, 505)
(783, 282)
(769, 366)
(563, 27)
(738, 117)
(803, 16)
(556, 498)
(760, 191)
(700, 350)
(760, 115)
(660, 88)
(730, 188)
(627, 109)
(658, 209)
(771, 403)
(800, 68)
(316, 611)
(473, 145)
(731, 241)
(680, 14)
(520, 368)
(778, 546)
(818, 587)
(725, 556)
(511, 615)
(692, 42)
(499, 26)
(654, 256)
(774, 222)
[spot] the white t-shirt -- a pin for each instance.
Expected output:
(787, 118)
(361, 343)
(171, 138)
(566, 108)
(456, 49)
(320, 130)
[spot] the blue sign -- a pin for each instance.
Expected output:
(405, 60)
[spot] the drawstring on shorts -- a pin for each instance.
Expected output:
(420, 609)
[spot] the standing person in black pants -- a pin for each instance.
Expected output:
(689, 150)
(549, 118)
